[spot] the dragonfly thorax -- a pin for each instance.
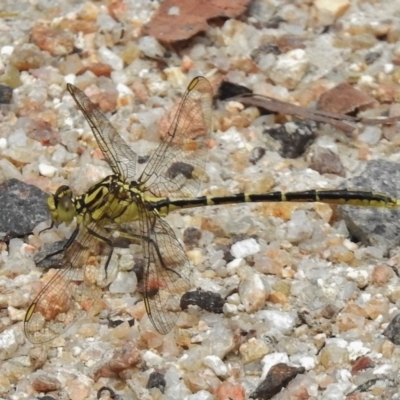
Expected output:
(61, 205)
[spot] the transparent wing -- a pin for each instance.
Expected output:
(74, 288)
(177, 166)
(119, 155)
(166, 271)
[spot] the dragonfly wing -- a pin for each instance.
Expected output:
(73, 289)
(177, 166)
(118, 154)
(166, 271)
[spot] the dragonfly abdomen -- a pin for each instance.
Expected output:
(340, 196)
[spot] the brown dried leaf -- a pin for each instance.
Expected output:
(343, 99)
(177, 20)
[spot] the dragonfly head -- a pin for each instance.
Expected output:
(61, 205)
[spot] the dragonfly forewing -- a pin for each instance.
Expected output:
(119, 155)
(176, 168)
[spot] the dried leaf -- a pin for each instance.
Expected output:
(177, 20)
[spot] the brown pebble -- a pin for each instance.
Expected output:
(203, 379)
(277, 298)
(343, 99)
(76, 26)
(45, 383)
(377, 306)
(57, 42)
(124, 358)
(230, 391)
(27, 57)
(325, 161)
(381, 275)
(107, 101)
(71, 64)
(361, 363)
(98, 68)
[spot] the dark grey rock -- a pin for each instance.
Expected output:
(375, 226)
(23, 206)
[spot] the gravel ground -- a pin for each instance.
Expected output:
(303, 296)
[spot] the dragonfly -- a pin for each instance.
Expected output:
(123, 205)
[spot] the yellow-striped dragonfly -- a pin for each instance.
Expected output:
(125, 206)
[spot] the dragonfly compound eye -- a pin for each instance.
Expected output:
(61, 206)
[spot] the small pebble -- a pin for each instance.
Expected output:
(217, 365)
(245, 248)
(47, 170)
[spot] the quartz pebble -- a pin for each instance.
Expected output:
(125, 282)
(371, 135)
(10, 339)
(283, 321)
(337, 8)
(253, 291)
(245, 248)
(217, 365)
(47, 170)
(299, 227)
(290, 68)
(253, 350)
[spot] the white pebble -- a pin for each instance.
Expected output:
(371, 135)
(230, 309)
(60, 155)
(356, 349)
(150, 47)
(3, 143)
(360, 277)
(152, 360)
(125, 282)
(283, 321)
(7, 50)
(234, 265)
(109, 57)
(9, 341)
(234, 299)
(245, 248)
(388, 68)
(307, 362)
(124, 90)
(290, 68)
(299, 227)
(217, 365)
(47, 170)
